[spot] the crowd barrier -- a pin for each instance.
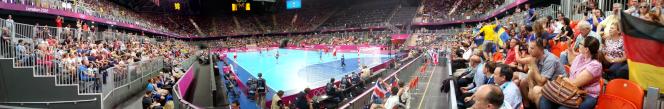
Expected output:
(183, 84)
(483, 17)
(364, 99)
(39, 47)
(82, 12)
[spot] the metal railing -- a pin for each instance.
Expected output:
(123, 74)
(178, 99)
(446, 17)
(361, 100)
(452, 95)
(51, 52)
(87, 9)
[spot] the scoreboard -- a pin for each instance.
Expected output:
(241, 5)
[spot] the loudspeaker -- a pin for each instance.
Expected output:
(284, 43)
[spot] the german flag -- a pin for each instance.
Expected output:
(644, 46)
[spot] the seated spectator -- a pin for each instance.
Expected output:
(276, 100)
(544, 66)
(486, 73)
(236, 105)
(465, 78)
(149, 102)
(585, 73)
(303, 101)
(614, 53)
(489, 68)
(584, 29)
(503, 77)
(511, 48)
(333, 90)
(392, 101)
(489, 97)
(151, 87)
(595, 18)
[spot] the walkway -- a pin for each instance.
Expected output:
(427, 95)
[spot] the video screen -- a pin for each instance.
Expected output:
(293, 4)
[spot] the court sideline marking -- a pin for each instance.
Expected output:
(427, 88)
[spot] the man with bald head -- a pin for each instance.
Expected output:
(489, 97)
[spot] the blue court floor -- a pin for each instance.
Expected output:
(295, 70)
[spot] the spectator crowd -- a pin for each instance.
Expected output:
(515, 72)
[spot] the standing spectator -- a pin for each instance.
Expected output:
(658, 9)
(261, 90)
(58, 23)
(643, 11)
(614, 17)
(78, 29)
(532, 15)
(5, 43)
(9, 23)
(632, 7)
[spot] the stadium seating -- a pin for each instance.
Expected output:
(614, 102)
(449, 10)
(625, 89)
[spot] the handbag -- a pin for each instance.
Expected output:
(563, 92)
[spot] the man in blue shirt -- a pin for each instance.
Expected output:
(87, 77)
(532, 15)
(83, 72)
(503, 78)
(595, 18)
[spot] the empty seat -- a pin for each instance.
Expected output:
(614, 102)
(627, 90)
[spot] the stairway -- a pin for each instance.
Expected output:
(21, 87)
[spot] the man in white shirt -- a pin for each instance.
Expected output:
(276, 99)
(503, 78)
(393, 100)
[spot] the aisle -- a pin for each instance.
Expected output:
(427, 94)
(202, 94)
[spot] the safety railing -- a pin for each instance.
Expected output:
(363, 99)
(87, 9)
(56, 52)
(452, 95)
(445, 17)
(179, 99)
(123, 74)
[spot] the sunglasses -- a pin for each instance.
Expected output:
(644, 6)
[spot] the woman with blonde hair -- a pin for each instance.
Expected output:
(614, 53)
